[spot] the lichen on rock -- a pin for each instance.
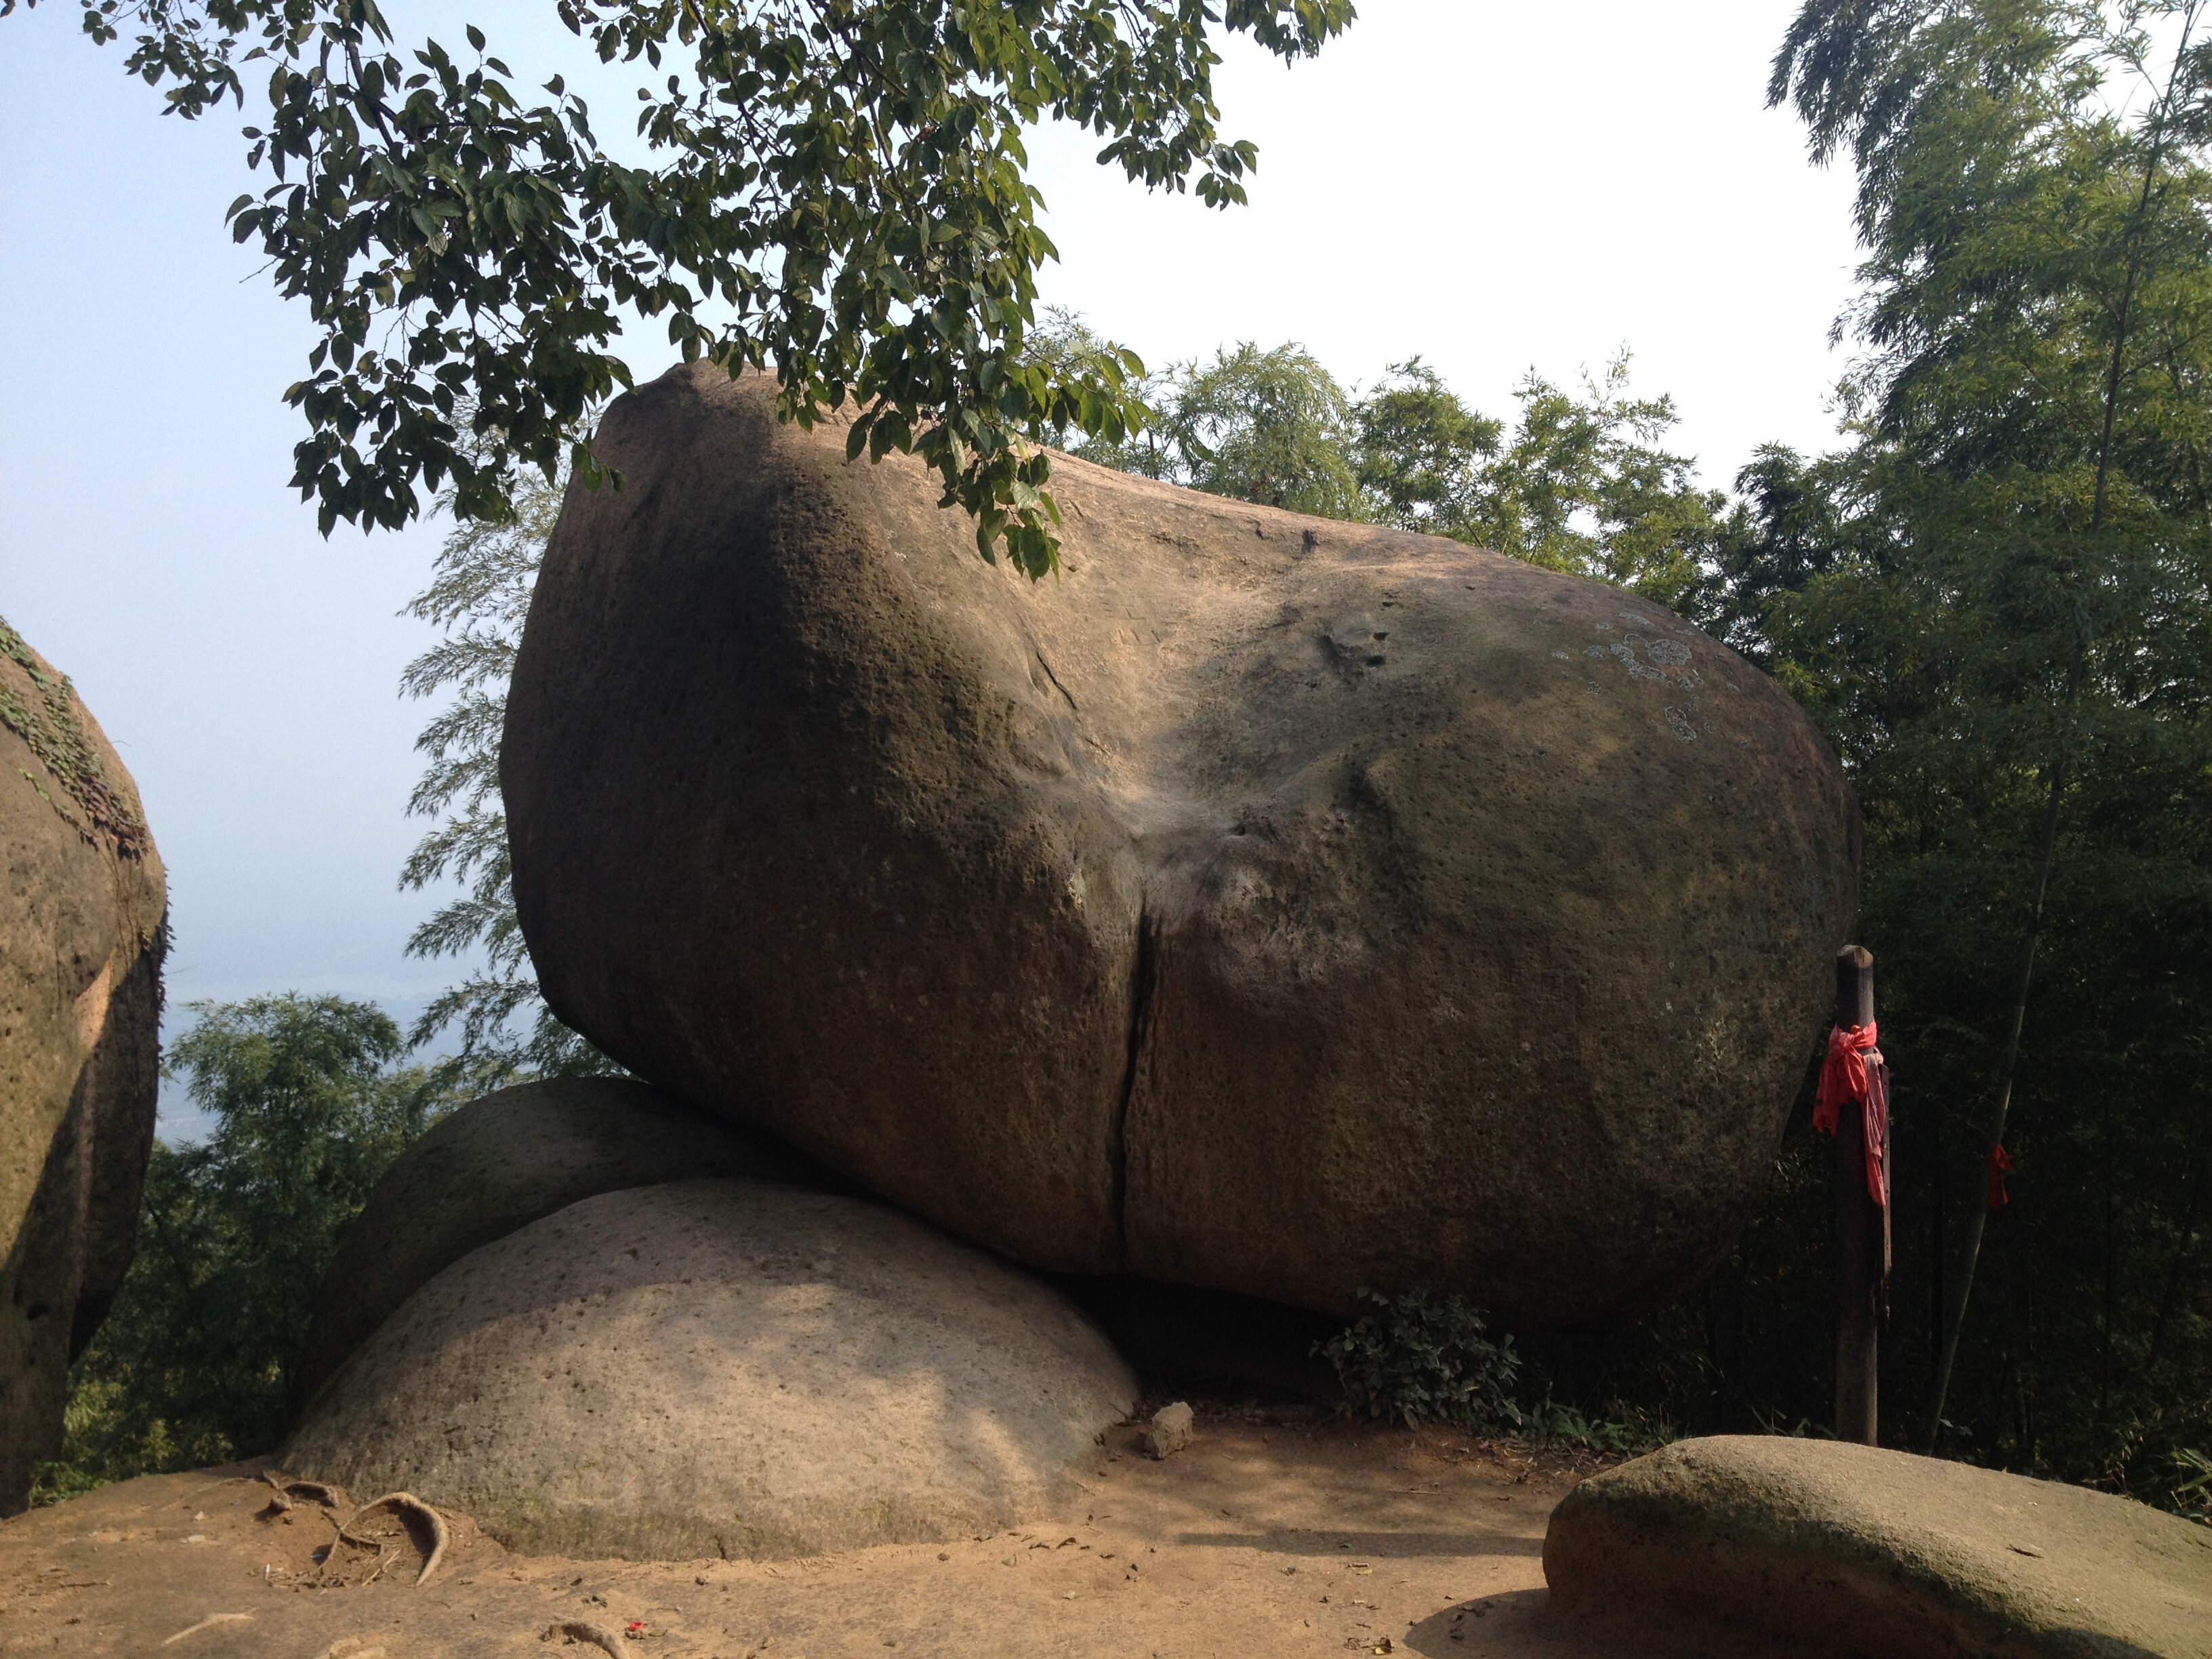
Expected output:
(41, 707)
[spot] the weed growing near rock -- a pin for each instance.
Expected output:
(1422, 1356)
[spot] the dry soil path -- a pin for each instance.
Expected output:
(1263, 1538)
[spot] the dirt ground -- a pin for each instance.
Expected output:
(1266, 1537)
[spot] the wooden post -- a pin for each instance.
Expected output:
(1858, 1230)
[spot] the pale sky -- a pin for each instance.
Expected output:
(1492, 188)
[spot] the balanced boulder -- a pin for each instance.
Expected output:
(722, 1367)
(1822, 1547)
(501, 1163)
(81, 942)
(1267, 903)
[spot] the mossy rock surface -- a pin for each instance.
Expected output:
(1819, 1548)
(89, 788)
(501, 1163)
(723, 1368)
(81, 937)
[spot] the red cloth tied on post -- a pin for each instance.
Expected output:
(2000, 1167)
(1853, 1070)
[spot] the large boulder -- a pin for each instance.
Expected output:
(1267, 903)
(1823, 1547)
(501, 1163)
(81, 944)
(722, 1367)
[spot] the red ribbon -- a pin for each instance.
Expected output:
(2000, 1167)
(1852, 1070)
(1844, 1072)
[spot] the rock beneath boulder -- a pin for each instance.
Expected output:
(81, 944)
(722, 1367)
(1269, 903)
(1169, 1431)
(501, 1163)
(1829, 1548)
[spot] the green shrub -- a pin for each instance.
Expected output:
(1627, 1430)
(1422, 1356)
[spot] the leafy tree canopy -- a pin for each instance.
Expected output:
(193, 1366)
(838, 190)
(1271, 427)
(1581, 484)
(1421, 450)
(1585, 486)
(1998, 601)
(479, 596)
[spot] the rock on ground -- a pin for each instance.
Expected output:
(81, 941)
(505, 1161)
(1169, 1431)
(1855, 1550)
(722, 1367)
(1267, 903)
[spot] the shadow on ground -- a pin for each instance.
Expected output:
(1385, 1546)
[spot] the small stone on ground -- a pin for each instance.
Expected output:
(1169, 1431)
